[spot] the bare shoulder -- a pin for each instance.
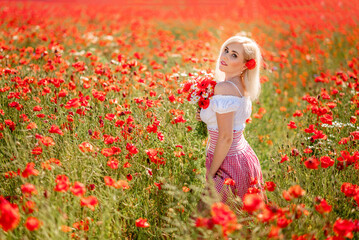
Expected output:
(222, 88)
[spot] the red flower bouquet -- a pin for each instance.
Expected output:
(201, 90)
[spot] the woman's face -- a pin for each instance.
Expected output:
(231, 60)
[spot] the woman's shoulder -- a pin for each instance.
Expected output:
(222, 88)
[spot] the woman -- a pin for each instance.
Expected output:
(229, 157)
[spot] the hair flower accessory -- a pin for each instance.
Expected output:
(250, 64)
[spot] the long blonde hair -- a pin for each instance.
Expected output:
(251, 77)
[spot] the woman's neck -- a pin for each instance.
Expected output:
(239, 81)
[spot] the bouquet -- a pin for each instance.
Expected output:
(200, 90)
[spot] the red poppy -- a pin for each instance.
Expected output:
(291, 125)
(326, 118)
(29, 170)
(9, 215)
(78, 189)
(11, 124)
(129, 177)
(252, 202)
(270, 186)
(203, 84)
(344, 228)
(296, 191)
(37, 108)
(112, 163)
(172, 98)
(160, 136)
(28, 189)
(86, 147)
(254, 181)
(310, 129)
(274, 232)
(29, 207)
(307, 150)
(158, 185)
(224, 216)
(297, 113)
(187, 86)
(81, 225)
(108, 180)
(284, 158)
(250, 64)
(98, 94)
(353, 120)
(142, 222)
(355, 135)
(55, 129)
(110, 116)
(229, 181)
(203, 103)
(89, 202)
(326, 162)
(73, 103)
(152, 128)
(32, 223)
(131, 148)
(179, 119)
(62, 183)
(121, 184)
(47, 141)
(115, 150)
(331, 104)
(287, 196)
(204, 222)
(31, 125)
(312, 163)
(344, 140)
(350, 190)
(318, 135)
(62, 93)
(283, 222)
(109, 140)
(323, 207)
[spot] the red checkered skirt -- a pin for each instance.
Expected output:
(241, 164)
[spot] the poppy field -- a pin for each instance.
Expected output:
(98, 140)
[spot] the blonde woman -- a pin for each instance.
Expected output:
(230, 161)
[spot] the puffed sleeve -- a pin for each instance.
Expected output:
(225, 104)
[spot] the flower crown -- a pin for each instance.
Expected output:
(251, 63)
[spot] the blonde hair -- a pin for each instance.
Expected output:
(251, 77)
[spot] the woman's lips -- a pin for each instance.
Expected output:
(223, 63)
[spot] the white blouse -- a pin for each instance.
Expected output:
(242, 106)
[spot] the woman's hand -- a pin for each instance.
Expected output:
(219, 173)
(198, 117)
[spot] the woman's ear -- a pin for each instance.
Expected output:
(244, 68)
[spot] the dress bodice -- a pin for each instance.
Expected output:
(242, 106)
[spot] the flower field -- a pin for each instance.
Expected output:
(98, 140)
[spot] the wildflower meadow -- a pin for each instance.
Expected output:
(98, 140)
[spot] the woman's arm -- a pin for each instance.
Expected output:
(225, 131)
(224, 142)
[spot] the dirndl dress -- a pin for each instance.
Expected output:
(241, 164)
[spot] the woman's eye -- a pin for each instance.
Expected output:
(234, 55)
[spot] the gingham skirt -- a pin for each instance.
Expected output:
(241, 164)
